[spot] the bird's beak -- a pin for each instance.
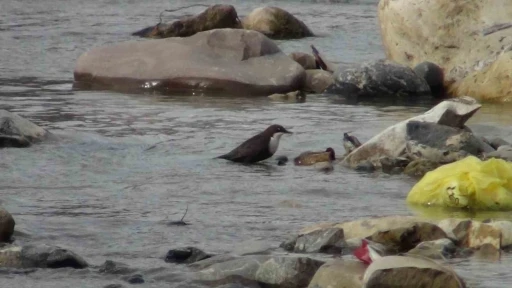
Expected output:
(287, 132)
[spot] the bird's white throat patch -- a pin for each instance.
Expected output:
(274, 142)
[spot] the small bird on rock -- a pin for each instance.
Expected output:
(350, 143)
(259, 147)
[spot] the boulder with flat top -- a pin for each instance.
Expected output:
(227, 61)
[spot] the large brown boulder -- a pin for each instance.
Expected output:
(232, 61)
(215, 17)
(276, 23)
(469, 39)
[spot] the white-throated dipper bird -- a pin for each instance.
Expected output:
(259, 147)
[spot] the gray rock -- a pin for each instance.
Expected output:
(244, 267)
(6, 225)
(10, 257)
(497, 142)
(276, 23)
(252, 247)
(365, 166)
(45, 256)
(379, 78)
(215, 17)
(330, 240)
(317, 80)
(393, 165)
(115, 268)
(288, 272)
(213, 260)
(307, 61)
(228, 61)
(438, 249)
(18, 132)
(446, 142)
(186, 255)
(504, 152)
(114, 286)
(433, 75)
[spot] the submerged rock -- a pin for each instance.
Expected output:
(215, 17)
(339, 273)
(392, 141)
(135, 279)
(232, 61)
(318, 80)
(298, 96)
(115, 268)
(420, 167)
(6, 225)
(18, 132)
(276, 23)
(46, 256)
(186, 255)
(378, 79)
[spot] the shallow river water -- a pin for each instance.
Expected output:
(97, 189)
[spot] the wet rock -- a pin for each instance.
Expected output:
(135, 279)
(379, 78)
(6, 225)
(437, 249)
(330, 240)
(274, 271)
(282, 160)
(46, 256)
(115, 268)
(505, 227)
(474, 53)
(440, 143)
(405, 238)
(504, 152)
(339, 274)
(290, 204)
(392, 141)
(497, 142)
(276, 23)
(307, 61)
(298, 96)
(318, 80)
(433, 75)
(289, 243)
(473, 234)
(410, 272)
(393, 165)
(212, 260)
(287, 271)
(18, 132)
(215, 17)
(244, 267)
(363, 228)
(233, 61)
(420, 167)
(186, 255)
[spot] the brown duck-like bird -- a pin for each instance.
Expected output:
(259, 147)
(310, 158)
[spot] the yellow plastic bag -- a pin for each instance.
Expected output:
(467, 183)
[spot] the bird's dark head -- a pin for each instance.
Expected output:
(332, 155)
(277, 129)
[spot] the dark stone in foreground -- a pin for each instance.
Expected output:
(215, 17)
(7, 224)
(186, 255)
(379, 78)
(45, 256)
(227, 61)
(135, 279)
(433, 75)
